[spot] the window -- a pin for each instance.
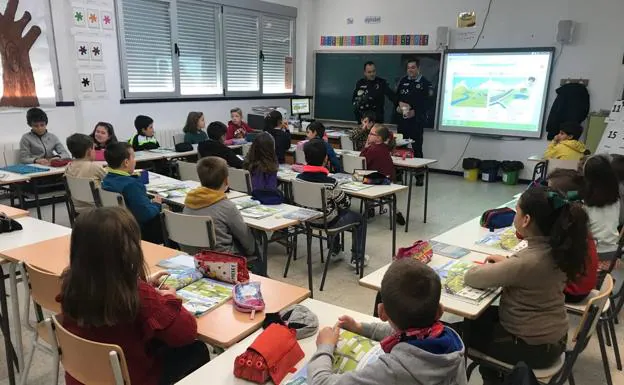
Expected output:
(189, 48)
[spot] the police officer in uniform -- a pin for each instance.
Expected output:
(370, 92)
(414, 94)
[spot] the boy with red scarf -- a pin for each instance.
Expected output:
(419, 348)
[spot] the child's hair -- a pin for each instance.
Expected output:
(79, 145)
(237, 110)
(318, 128)
(617, 162)
(191, 122)
(410, 292)
(212, 172)
(370, 115)
(261, 156)
(573, 129)
(112, 138)
(601, 184)
(36, 115)
(116, 153)
(566, 180)
(564, 223)
(385, 134)
(272, 120)
(141, 122)
(100, 286)
(315, 152)
(216, 130)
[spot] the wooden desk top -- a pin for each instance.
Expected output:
(14, 212)
(377, 191)
(33, 231)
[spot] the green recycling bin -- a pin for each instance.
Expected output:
(511, 177)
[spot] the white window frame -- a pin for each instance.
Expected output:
(250, 7)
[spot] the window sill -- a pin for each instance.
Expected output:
(209, 98)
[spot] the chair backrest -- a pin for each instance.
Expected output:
(245, 149)
(240, 180)
(599, 301)
(554, 164)
(178, 138)
(110, 199)
(308, 194)
(300, 155)
(44, 287)
(82, 189)
(346, 143)
(188, 171)
(351, 163)
(189, 230)
(91, 362)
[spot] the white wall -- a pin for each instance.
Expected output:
(596, 53)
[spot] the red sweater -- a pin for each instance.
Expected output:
(161, 320)
(237, 132)
(378, 158)
(585, 283)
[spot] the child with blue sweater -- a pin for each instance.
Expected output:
(418, 348)
(120, 159)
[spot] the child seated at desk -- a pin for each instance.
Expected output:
(103, 134)
(338, 203)
(232, 234)
(237, 128)
(316, 130)
(261, 162)
(194, 128)
(120, 159)
(359, 135)
(377, 151)
(570, 183)
(418, 348)
(278, 129)
(107, 297)
(83, 165)
(566, 145)
(215, 146)
(144, 139)
(531, 323)
(39, 145)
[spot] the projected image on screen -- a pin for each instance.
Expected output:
(494, 92)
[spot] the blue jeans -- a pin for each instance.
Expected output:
(358, 237)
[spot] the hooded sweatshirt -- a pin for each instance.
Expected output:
(566, 149)
(418, 362)
(46, 146)
(237, 132)
(232, 234)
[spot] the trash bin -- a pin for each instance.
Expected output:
(511, 171)
(471, 169)
(489, 170)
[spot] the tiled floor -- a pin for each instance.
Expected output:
(452, 201)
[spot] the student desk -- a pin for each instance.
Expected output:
(451, 305)
(34, 230)
(13, 212)
(220, 369)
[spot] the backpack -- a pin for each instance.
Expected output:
(497, 218)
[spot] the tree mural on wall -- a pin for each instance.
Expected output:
(17, 72)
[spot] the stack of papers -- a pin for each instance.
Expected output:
(259, 212)
(245, 202)
(355, 186)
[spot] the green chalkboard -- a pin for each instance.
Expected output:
(337, 73)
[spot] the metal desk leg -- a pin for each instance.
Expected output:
(426, 192)
(6, 331)
(309, 258)
(363, 251)
(37, 203)
(17, 322)
(393, 210)
(264, 246)
(409, 198)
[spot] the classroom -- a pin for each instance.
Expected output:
(311, 192)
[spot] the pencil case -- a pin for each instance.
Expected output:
(247, 298)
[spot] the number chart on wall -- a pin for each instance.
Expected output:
(612, 141)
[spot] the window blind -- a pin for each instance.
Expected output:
(147, 46)
(242, 50)
(276, 47)
(198, 41)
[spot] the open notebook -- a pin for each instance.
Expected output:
(452, 277)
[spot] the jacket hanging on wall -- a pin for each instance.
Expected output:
(571, 105)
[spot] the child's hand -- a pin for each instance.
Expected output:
(328, 336)
(348, 323)
(494, 258)
(155, 279)
(167, 291)
(43, 161)
(157, 199)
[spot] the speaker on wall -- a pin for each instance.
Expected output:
(442, 37)
(565, 31)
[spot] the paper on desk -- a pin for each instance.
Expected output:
(178, 262)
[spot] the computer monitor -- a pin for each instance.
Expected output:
(300, 106)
